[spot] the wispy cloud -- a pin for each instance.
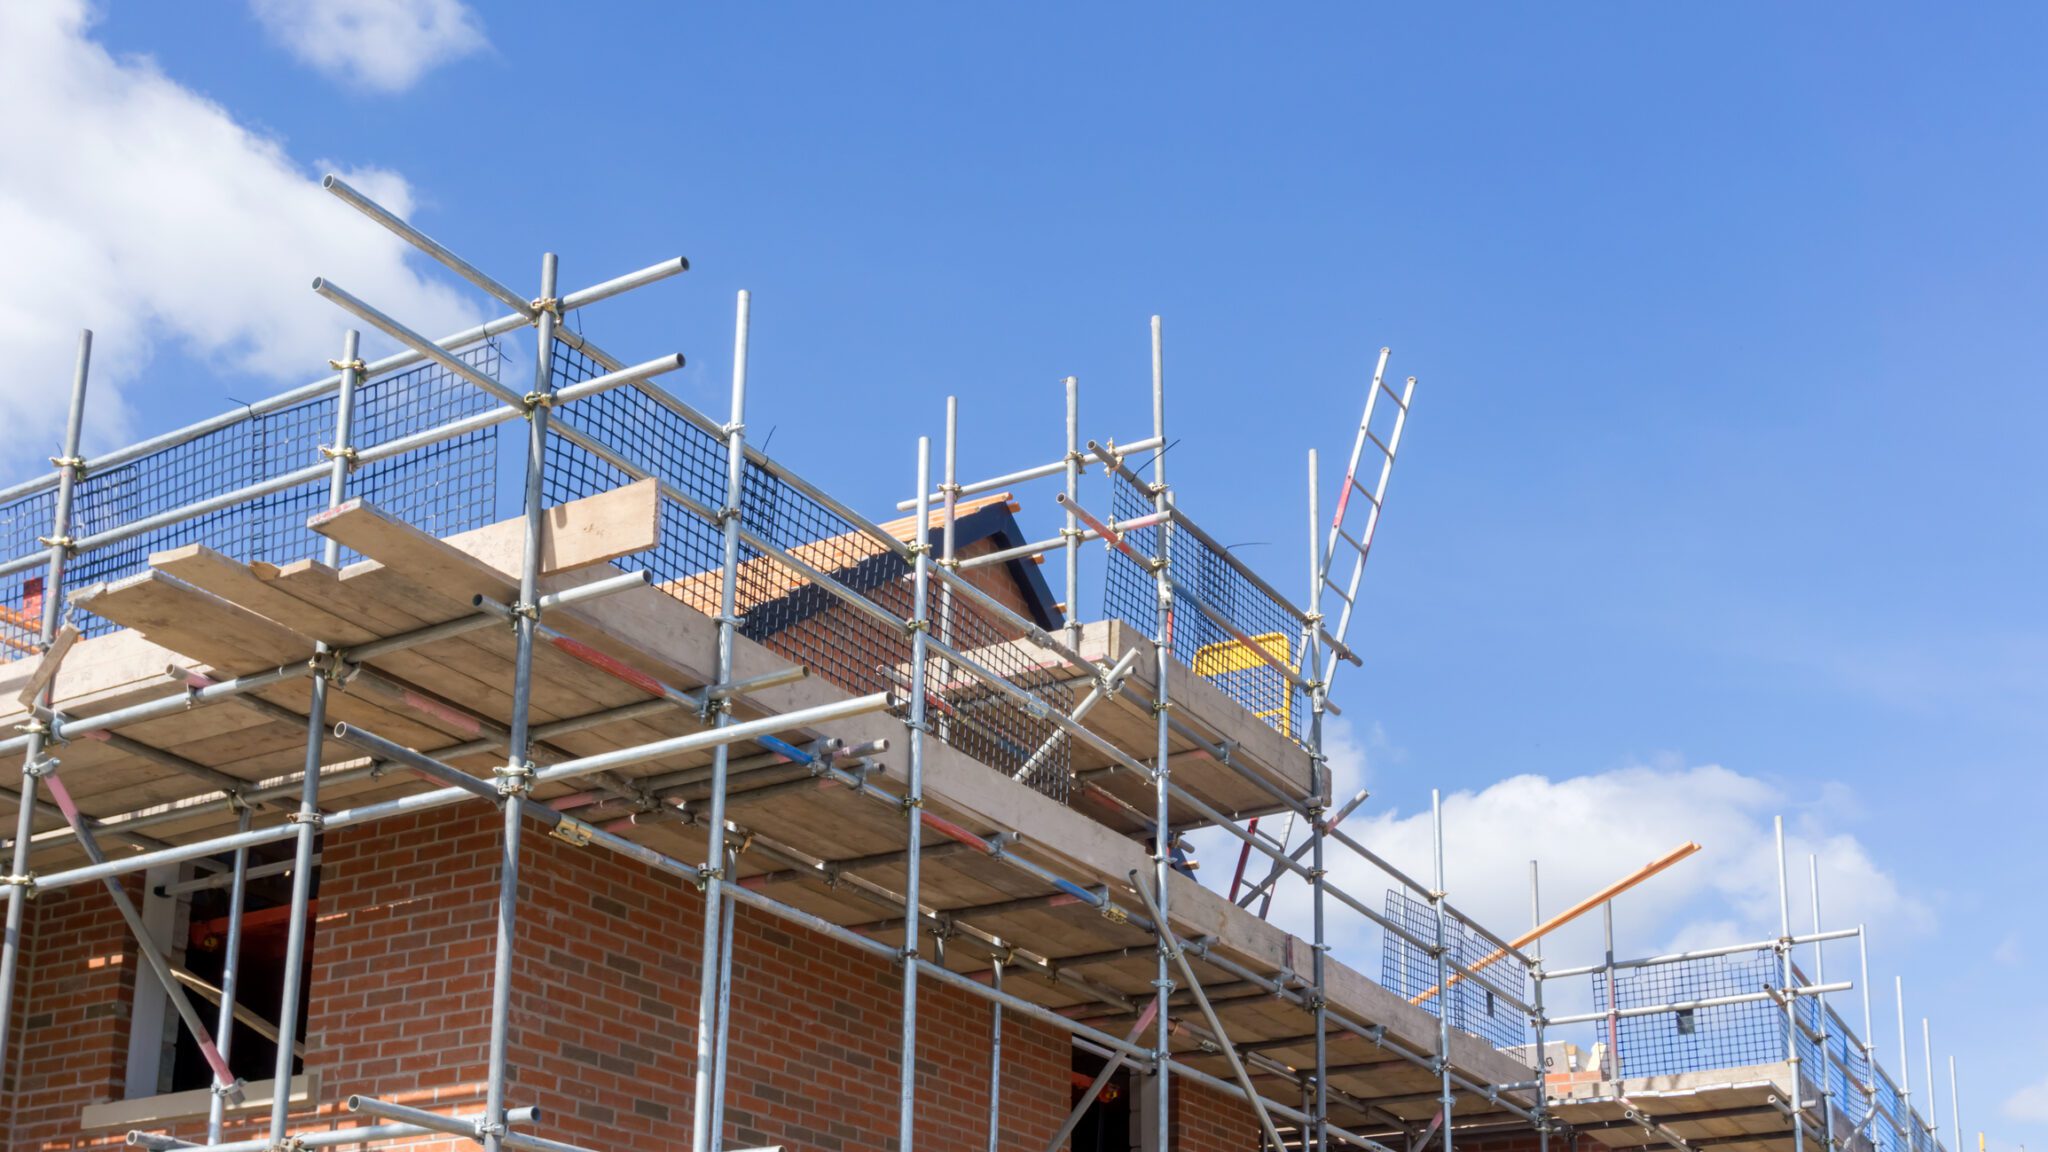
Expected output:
(2029, 1103)
(149, 214)
(385, 45)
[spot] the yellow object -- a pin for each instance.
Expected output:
(1250, 677)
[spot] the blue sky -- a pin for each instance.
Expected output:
(1719, 500)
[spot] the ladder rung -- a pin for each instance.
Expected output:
(1365, 492)
(1370, 435)
(1394, 396)
(1334, 587)
(1353, 541)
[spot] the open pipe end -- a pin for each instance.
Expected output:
(319, 282)
(355, 1104)
(330, 180)
(342, 732)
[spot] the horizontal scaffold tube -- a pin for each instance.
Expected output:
(426, 801)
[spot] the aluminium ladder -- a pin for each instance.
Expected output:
(1360, 548)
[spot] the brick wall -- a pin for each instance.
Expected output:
(604, 1008)
(69, 1043)
(1205, 1120)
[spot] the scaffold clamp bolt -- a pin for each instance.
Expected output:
(514, 779)
(342, 453)
(574, 833)
(355, 365)
(67, 543)
(544, 305)
(77, 462)
(316, 819)
(26, 881)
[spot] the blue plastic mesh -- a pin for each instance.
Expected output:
(1411, 971)
(1131, 595)
(1720, 1036)
(787, 612)
(22, 522)
(444, 488)
(1750, 1034)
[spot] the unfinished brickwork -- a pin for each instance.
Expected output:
(604, 1035)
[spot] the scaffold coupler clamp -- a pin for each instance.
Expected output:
(707, 872)
(344, 452)
(316, 819)
(68, 543)
(514, 780)
(289, 1144)
(232, 1092)
(1114, 914)
(329, 666)
(713, 707)
(356, 366)
(546, 306)
(571, 831)
(41, 766)
(25, 881)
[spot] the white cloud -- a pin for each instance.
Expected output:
(2008, 954)
(1588, 831)
(2029, 1103)
(143, 211)
(386, 45)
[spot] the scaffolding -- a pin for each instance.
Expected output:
(891, 617)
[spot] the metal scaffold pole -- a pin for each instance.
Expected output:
(1070, 533)
(1820, 976)
(230, 971)
(1162, 827)
(995, 1056)
(913, 800)
(1443, 975)
(1791, 1001)
(1320, 789)
(1927, 1062)
(707, 1111)
(1542, 1108)
(1955, 1108)
(515, 779)
(1870, 1070)
(1905, 1064)
(19, 878)
(307, 818)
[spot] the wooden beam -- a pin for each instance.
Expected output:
(1572, 913)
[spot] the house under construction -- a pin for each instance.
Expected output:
(692, 806)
